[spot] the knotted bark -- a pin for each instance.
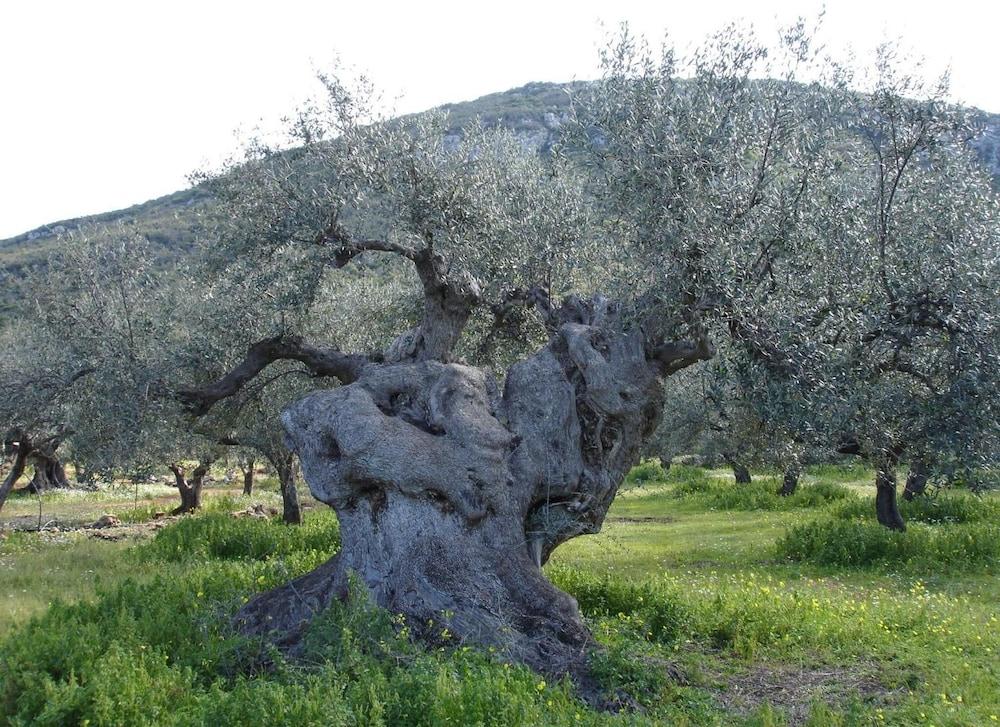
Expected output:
(451, 495)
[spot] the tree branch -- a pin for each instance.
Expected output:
(320, 361)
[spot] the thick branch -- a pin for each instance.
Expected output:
(320, 361)
(673, 356)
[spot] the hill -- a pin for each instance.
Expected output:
(534, 111)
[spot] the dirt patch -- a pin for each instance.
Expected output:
(793, 689)
(131, 530)
(55, 531)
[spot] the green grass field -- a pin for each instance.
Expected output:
(714, 605)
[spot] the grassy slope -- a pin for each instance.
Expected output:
(675, 587)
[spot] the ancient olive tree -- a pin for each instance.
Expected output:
(36, 377)
(842, 236)
(583, 290)
(451, 489)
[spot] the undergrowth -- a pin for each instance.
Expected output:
(161, 651)
(761, 494)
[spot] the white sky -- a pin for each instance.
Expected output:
(106, 104)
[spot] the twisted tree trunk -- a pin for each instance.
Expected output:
(740, 472)
(17, 466)
(49, 473)
(189, 488)
(451, 495)
(291, 511)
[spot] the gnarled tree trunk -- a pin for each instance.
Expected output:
(49, 473)
(189, 488)
(916, 479)
(740, 472)
(886, 505)
(451, 494)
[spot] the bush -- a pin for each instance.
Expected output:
(221, 536)
(858, 543)
(160, 653)
(649, 470)
(947, 508)
(761, 494)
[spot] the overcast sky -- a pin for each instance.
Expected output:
(106, 104)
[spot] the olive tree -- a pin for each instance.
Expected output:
(94, 327)
(582, 288)
(909, 311)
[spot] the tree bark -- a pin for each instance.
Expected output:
(886, 506)
(189, 488)
(789, 481)
(17, 467)
(451, 495)
(291, 511)
(49, 473)
(740, 472)
(916, 479)
(247, 468)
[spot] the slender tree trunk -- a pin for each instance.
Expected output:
(916, 479)
(17, 466)
(789, 481)
(248, 472)
(189, 488)
(49, 473)
(740, 472)
(291, 511)
(886, 506)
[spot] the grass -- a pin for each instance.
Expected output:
(704, 618)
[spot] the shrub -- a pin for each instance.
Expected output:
(859, 543)
(224, 537)
(949, 507)
(762, 494)
(649, 470)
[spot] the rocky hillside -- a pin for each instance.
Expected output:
(535, 111)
